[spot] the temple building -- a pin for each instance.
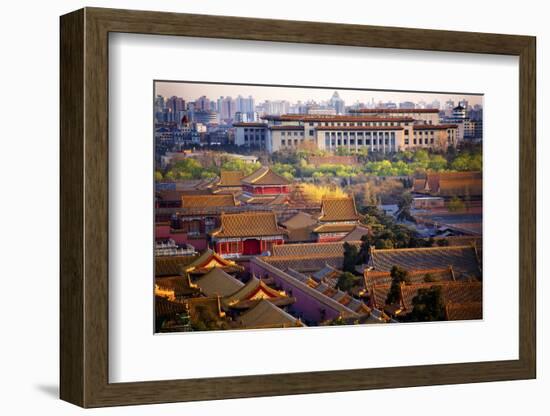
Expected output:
(255, 290)
(300, 227)
(242, 305)
(216, 282)
(247, 233)
(309, 250)
(206, 313)
(465, 261)
(461, 300)
(206, 201)
(338, 218)
(166, 266)
(265, 182)
(317, 302)
(175, 288)
(375, 277)
(171, 280)
(230, 181)
(210, 260)
(266, 315)
(166, 313)
(171, 197)
(194, 219)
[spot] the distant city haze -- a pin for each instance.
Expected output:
(191, 91)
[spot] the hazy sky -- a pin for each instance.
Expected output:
(192, 91)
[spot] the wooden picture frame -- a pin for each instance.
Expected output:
(84, 207)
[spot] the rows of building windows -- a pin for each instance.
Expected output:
(359, 123)
(334, 139)
(254, 135)
(291, 142)
(292, 133)
(256, 138)
(420, 141)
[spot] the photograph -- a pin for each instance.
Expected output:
(295, 207)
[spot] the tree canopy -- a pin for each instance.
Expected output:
(346, 281)
(428, 305)
(351, 256)
(398, 276)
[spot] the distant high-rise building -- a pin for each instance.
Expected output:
(476, 112)
(175, 104)
(159, 103)
(246, 117)
(321, 111)
(244, 105)
(276, 107)
(226, 108)
(463, 103)
(202, 104)
(205, 117)
(435, 104)
(337, 103)
(407, 105)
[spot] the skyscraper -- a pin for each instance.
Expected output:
(226, 108)
(244, 105)
(337, 103)
(202, 103)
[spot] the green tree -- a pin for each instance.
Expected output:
(383, 244)
(428, 305)
(363, 153)
(346, 281)
(284, 169)
(240, 165)
(185, 169)
(208, 174)
(468, 161)
(158, 176)
(437, 163)
(404, 205)
(351, 256)
(171, 176)
(399, 276)
(342, 151)
(421, 158)
(456, 204)
(364, 250)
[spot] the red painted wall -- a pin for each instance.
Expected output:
(267, 190)
(162, 231)
(330, 239)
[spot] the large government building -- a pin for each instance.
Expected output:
(378, 130)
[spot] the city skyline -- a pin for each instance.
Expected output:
(190, 91)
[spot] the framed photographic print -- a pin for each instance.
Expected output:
(255, 207)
